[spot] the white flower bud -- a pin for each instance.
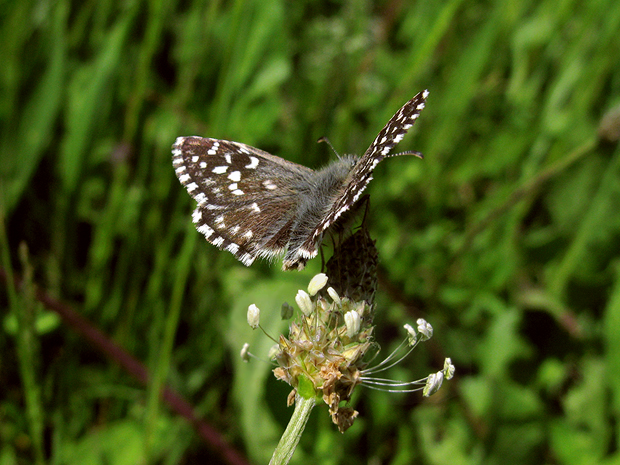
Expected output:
(253, 316)
(353, 322)
(305, 303)
(334, 295)
(317, 283)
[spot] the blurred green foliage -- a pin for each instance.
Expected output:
(505, 238)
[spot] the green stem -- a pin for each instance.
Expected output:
(292, 434)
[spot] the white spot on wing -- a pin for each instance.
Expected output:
(238, 192)
(220, 169)
(235, 176)
(305, 253)
(253, 163)
(218, 241)
(205, 230)
(213, 150)
(201, 198)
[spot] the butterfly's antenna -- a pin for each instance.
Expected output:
(409, 152)
(326, 140)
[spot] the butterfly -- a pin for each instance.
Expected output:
(255, 204)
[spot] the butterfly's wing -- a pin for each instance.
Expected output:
(247, 198)
(361, 174)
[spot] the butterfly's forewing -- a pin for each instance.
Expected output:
(247, 198)
(361, 174)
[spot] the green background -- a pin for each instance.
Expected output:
(505, 237)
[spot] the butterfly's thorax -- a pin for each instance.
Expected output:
(317, 197)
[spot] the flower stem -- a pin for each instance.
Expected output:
(292, 434)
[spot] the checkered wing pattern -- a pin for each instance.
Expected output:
(246, 197)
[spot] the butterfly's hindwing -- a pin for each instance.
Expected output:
(246, 197)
